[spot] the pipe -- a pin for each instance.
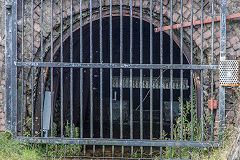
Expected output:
(195, 23)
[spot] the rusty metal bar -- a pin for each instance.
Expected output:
(195, 23)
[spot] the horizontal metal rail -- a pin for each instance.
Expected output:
(116, 65)
(91, 157)
(119, 142)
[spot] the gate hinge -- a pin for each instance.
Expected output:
(229, 73)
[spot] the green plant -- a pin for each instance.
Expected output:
(28, 124)
(187, 128)
(61, 150)
(10, 149)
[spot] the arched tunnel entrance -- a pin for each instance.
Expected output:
(63, 98)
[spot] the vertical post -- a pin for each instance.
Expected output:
(11, 69)
(222, 57)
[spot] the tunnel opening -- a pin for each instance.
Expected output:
(63, 98)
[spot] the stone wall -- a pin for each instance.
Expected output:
(2, 65)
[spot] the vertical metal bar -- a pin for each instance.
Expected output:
(171, 74)
(32, 69)
(131, 72)
(81, 78)
(52, 107)
(161, 75)
(212, 50)
(42, 54)
(121, 74)
(151, 77)
(141, 75)
(61, 59)
(11, 69)
(71, 69)
(22, 71)
(201, 81)
(101, 77)
(91, 78)
(14, 68)
(8, 61)
(222, 57)
(181, 77)
(111, 105)
(191, 77)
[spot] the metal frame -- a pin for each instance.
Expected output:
(222, 57)
(11, 80)
(11, 69)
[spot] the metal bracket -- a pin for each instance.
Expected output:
(229, 73)
(8, 4)
(212, 104)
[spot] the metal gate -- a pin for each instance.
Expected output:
(104, 105)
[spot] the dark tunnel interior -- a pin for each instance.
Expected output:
(86, 103)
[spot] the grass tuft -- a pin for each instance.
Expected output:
(12, 150)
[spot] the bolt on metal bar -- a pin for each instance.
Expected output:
(141, 75)
(161, 75)
(8, 61)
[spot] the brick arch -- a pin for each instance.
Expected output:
(95, 17)
(105, 4)
(115, 12)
